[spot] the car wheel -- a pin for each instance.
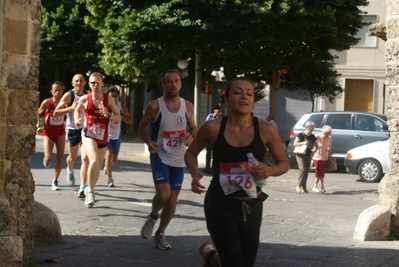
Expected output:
(370, 171)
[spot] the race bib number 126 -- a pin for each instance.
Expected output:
(235, 176)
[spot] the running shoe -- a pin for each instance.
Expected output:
(70, 178)
(46, 164)
(148, 227)
(110, 182)
(315, 189)
(54, 185)
(298, 189)
(206, 251)
(89, 201)
(161, 242)
(323, 190)
(81, 193)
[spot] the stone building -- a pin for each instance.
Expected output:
(376, 222)
(19, 73)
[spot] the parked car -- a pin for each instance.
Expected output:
(369, 161)
(350, 129)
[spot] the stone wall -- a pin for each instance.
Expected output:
(389, 186)
(19, 72)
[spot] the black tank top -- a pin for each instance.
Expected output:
(223, 152)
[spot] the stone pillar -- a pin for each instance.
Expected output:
(372, 223)
(19, 72)
(389, 186)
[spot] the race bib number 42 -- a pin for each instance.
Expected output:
(173, 140)
(235, 176)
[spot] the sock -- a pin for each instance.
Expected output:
(159, 232)
(154, 217)
(82, 187)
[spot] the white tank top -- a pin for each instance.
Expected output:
(115, 127)
(171, 134)
(70, 121)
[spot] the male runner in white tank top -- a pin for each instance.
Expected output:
(172, 129)
(67, 107)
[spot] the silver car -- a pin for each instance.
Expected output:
(350, 129)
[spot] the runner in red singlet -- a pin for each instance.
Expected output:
(98, 108)
(53, 132)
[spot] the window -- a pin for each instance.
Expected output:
(368, 123)
(339, 121)
(365, 39)
(317, 119)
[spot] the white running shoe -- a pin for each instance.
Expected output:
(161, 242)
(90, 199)
(148, 227)
(110, 182)
(46, 164)
(81, 193)
(70, 178)
(54, 185)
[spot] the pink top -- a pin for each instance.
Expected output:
(323, 144)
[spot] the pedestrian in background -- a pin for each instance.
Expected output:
(67, 106)
(170, 116)
(270, 119)
(115, 134)
(320, 157)
(217, 113)
(305, 138)
(53, 131)
(233, 203)
(98, 109)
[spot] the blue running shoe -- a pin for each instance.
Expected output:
(81, 193)
(70, 178)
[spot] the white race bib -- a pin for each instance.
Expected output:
(95, 131)
(235, 176)
(173, 140)
(113, 127)
(56, 120)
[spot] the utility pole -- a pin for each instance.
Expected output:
(271, 80)
(197, 89)
(276, 80)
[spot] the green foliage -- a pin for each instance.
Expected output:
(68, 45)
(142, 39)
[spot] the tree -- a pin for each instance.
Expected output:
(141, 40)
(68, 45)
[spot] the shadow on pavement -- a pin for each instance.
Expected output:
(121, 251)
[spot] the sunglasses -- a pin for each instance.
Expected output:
(95, 83)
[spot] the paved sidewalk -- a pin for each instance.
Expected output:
(297, 229)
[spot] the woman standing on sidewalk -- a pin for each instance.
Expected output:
(233, 203)
(320, 157)
(305, 138)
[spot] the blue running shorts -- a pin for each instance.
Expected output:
(114, 145)
(162, 173)
(74, 137)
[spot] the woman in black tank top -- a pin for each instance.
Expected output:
(233, 203)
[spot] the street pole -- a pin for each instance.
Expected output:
(197, 90)
(272, 94)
